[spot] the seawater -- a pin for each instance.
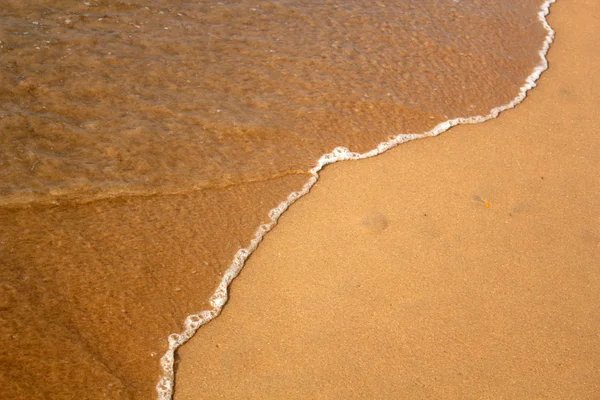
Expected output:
(104, 104)
(105, 99)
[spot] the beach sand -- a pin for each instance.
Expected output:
(461, 266)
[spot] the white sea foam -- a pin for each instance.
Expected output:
(165, 385)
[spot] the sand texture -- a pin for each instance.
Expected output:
(462, 266)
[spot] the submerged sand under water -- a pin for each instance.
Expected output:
(143, 142)
(154, 98)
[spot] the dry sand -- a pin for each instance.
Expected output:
(394, 279)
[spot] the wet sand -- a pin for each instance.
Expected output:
(461, 266)
(89, 318)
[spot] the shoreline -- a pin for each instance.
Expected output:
(90, 289)
(194, 350)
(220, 297)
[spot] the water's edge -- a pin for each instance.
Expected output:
(165, 385)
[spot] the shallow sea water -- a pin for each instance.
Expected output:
(144, 141)
(103, 99)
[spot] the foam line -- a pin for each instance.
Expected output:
(165, 385)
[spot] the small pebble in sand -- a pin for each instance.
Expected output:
(481, 200)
